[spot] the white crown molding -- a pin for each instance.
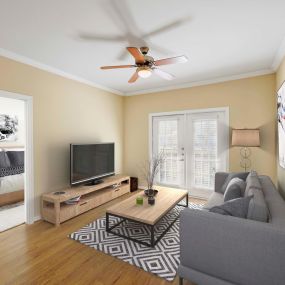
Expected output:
(201, 83)
(14, 56)
(42, 66)
(280, 54)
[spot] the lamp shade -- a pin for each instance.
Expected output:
(245, 137)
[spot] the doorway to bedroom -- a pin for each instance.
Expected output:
(16, 160)
(12, 166)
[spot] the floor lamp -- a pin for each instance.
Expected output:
(245, 138)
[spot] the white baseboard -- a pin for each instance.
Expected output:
(37, 218)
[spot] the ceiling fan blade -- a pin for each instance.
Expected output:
(95, 37)
(134, 77)
(168, 27)
(117, 66)
(163, 74)
(136, 54)
(171, 60)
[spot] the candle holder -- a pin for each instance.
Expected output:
(139, 200)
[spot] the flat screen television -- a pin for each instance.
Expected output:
(91, 162)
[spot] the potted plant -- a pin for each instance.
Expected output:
(150, 171)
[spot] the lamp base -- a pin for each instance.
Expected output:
(245, 162)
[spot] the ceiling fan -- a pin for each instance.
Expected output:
(146, 65)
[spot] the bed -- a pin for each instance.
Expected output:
(11, 176)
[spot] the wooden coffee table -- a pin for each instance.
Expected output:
(146, 215)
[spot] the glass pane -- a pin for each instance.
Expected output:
(168, 143)
(204, 152)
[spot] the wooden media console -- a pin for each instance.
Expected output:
(56, 211)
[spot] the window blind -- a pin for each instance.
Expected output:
(205, 151)
(168, 143)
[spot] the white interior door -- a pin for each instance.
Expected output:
(168, 136)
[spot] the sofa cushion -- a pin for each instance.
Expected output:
(215, 199)
(274, 202)
(252, 181)
(236, 207)
(4, 160)
(235, 189)
(257, 209)
(241, 175)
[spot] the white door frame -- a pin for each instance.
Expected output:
(185, 113)
(29, 157)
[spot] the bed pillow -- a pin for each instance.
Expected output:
(16, 158)
(236, 207)
(235, 189)
(4, 160)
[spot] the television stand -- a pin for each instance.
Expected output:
(94, 182)
(56, 211)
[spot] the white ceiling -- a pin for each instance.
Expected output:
(222, 38)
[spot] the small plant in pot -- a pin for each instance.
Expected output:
(150, 170)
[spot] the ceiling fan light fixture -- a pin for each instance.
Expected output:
(144, 72)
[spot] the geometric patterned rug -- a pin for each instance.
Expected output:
(162, 260)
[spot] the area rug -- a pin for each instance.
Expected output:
(161, 260)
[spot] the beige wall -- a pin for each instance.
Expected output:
(251, 102)
(280, 77)
(65, 111)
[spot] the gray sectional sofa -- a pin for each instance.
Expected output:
(219, 249)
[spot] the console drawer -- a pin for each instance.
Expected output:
(121, 191)
(84, 206)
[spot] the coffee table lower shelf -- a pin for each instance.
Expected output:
(153, 241)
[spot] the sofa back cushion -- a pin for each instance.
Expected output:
(252, 181)
(235, 189)
(257, 209)
(274, 201)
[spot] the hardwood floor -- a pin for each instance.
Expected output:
(43, 254)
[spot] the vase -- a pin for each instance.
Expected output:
(151, 200)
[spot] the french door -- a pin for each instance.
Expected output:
(195, 146)
(168, 136)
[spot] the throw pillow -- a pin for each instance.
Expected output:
(236, 207)
(241, 175)
(235, 189)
